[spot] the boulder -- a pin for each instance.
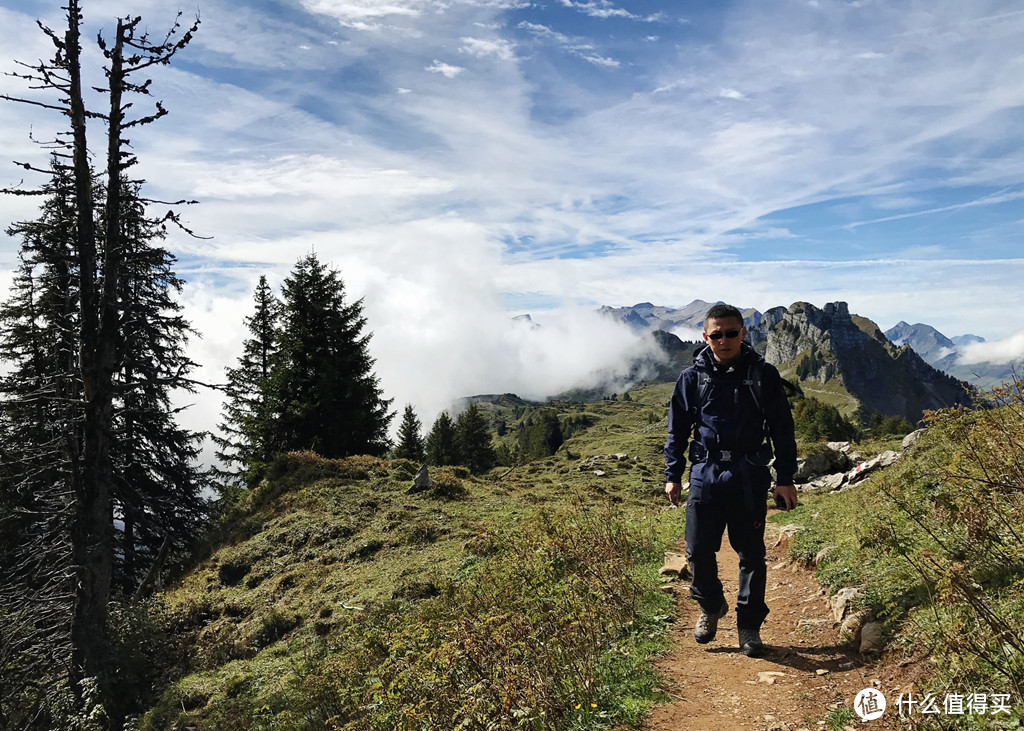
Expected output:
(842, 603)
(911, 438)
(887, 458)
(421, 481)
(862, 469)
(842, 447)
(825, 462)
(834, 481)
(871, 637)
(850, 629)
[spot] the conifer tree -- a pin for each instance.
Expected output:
(158, 483)
(100, 258)
(410, 440)
(473, 440)
(243, 442)
(441, 446)
(322, 393)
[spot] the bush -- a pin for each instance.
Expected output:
(817, 421)
(447, 484)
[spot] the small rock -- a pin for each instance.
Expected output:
(786, 534)
(843, 601)
(911, 438)
(421, 481)
(599, 473)
(823, 554)
(821, 671)
(853, 622)
(769, 676)
(675, 565)
(871, 637)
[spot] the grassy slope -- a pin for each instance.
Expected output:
(320, 536)
(935, 542)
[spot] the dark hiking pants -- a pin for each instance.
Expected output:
(706, 521)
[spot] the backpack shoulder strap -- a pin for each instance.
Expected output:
(755, 373)
(703, 387)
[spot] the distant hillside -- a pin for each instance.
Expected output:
(646, 316)
(942, 352)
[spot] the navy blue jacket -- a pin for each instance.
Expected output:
(730, 420)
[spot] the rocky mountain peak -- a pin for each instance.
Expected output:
(820, 344)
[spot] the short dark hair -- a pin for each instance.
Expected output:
(722, 311)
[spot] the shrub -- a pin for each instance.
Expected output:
(446, 484)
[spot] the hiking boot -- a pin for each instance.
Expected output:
(750, 642)
(707, 625)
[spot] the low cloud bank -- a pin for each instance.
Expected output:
(1000, 351)
(431, 354)
(431, 365)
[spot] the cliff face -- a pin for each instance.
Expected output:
(826, 343)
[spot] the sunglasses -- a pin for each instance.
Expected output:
(727, 334)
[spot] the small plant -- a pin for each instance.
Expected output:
(839, 718)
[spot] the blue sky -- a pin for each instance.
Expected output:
(461, 161)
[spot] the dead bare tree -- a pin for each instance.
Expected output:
(99, 256)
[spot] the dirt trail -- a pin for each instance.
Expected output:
(806, 672)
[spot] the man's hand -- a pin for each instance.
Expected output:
(787, 493)
(673, 490)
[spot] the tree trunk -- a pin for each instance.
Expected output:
(91, 531)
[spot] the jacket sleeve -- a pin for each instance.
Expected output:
(780, 426)
(680, 425)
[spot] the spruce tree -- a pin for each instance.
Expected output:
(322, 393)
(40, 420)
(244, 429)
(410, 440)
(441, 446)
(158, 483)
(473, 440)
(88, 480)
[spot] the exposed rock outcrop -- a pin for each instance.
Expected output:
(829, 343)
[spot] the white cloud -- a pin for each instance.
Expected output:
(481, 47)
(598, 60)
(361, 11)
(447, 70)
(1000, 351)
(543, 31)
(598, 9)
(732, 94)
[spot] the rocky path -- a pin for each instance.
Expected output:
(806, 673)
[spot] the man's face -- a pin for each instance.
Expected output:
(724, 348)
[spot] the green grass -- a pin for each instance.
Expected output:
(333, 598)
(935, 542)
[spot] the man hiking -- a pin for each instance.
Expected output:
(730, 407)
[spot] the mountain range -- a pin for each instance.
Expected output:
(839, 358)
(946, 354)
